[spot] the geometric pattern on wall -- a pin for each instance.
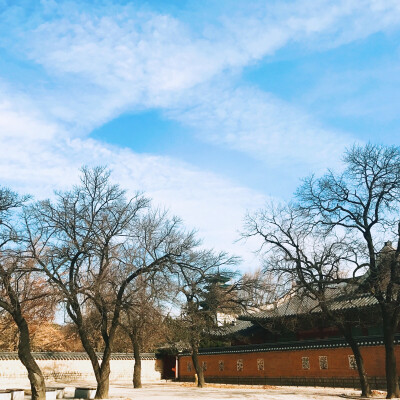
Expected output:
(220, 365)
(323, 362)
(239, 364)
(352, 362)
(260, 364)
(305, 362)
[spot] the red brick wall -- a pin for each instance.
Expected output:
(289, 363)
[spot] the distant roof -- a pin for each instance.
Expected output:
(346, 295)
(340, 297)
(238, 327)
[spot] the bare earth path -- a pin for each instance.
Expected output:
(177, 391)
(187, 391)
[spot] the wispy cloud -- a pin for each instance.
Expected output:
(37, 157)
(96, 62)
(112, 60)
(370, 92)
(261, 125)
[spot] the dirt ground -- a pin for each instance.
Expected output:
(178, 391)
(187, 391)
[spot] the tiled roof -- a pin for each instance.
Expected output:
(295, 345)
(74, 356)
(237, 328)
(344, 296)
(340, 297)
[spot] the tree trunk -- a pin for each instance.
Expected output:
(365, 388)
(197, 367)
(103, 383)
(345, 330)
(103, 386)
(101, 372)
(137, 369)
(35, 375)
(392, 380)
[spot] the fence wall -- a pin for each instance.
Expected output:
(324, 363)
(76, 367)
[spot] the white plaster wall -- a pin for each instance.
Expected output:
(78, 370)
(123, 370)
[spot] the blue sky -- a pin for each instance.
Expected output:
(211, 107)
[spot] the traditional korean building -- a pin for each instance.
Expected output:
(292, 342)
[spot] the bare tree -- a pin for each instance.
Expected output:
(364, 200)
(143, 320)
(92, 243)
(15, 277)
(256, 289)
(316, 262)
(202, 279)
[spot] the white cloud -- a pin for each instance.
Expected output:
(361, 92)
(37, 164)
(154, 53)
(101, 62)
(260, 125)
(113, 60)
